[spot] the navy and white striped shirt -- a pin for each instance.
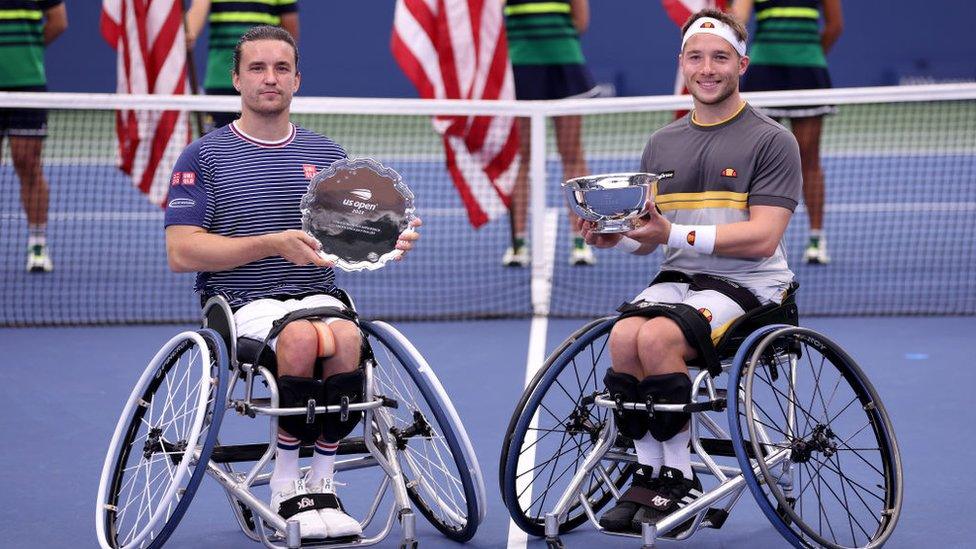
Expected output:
(234, 185)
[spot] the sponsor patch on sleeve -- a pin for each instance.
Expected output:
(181, 203)
(184, 178)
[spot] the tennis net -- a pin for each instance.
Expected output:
(899, 164)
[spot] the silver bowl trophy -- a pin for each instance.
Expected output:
(614, 201)
(357, 210)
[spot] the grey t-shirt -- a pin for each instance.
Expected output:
(710, 175)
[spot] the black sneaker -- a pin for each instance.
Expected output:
(643, 487)
(674, 492)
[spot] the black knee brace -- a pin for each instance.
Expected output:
(623, 388)
(347, 386)
(666, 389)
(296, 392)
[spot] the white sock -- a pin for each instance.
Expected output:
(677, 453)
(816, 233)
(323, 462)
(37, 235)
(286, 461)
(650, 451)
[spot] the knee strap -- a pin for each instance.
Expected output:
(345, 388)
(623, 388)
(300, 392)
(697, 330)
(666, 389)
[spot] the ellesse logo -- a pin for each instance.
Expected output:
(691, 238)
(706, 313)
(729, 172)
(707, 25)
(362, 194)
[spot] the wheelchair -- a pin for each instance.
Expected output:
(809, 436)
(168, 438)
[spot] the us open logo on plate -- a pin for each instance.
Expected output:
(362, 194)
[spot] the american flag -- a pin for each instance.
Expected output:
(679, 11)
(148, 36)
(456, 49)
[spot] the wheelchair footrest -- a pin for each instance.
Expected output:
(242, 453)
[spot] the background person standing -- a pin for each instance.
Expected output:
(28, 28)
(788, 53)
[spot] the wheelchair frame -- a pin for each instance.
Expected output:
(731, 486)
(776, 465)
(380, 443)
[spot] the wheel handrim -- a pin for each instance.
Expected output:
(569, 424)
(828, 437)
(157, 434)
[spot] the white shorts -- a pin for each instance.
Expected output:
(719, 309)
(255, 319)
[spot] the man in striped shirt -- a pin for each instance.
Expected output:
(233, 215)
(229, 20)
(27, 27)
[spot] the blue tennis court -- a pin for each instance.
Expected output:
(64, 387)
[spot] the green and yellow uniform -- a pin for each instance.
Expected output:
(541, 33)
(544, 47)
(786, 54)
(22, 42)
(229, 19)
(787, 34)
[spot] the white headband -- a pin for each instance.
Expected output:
(710, 25)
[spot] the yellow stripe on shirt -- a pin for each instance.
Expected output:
(797, 13)
(244, 17)
(538, 7)
(21, 14)
(707, 199)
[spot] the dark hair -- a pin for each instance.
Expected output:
(738, 28)
(263, 32)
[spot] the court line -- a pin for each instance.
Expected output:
(535, 357)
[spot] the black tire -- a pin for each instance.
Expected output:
(574, 371)
(150, 473)
(840, 484)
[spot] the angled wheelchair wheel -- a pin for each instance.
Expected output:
(831, 474)
(167, 429)
(443, 477)
(554, 426)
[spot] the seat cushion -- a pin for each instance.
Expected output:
(249, 351)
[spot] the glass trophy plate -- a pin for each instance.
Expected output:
(357, 209)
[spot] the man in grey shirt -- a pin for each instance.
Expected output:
(730, 179)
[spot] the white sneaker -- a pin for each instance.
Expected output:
(336, 521)
(816, 252)
(290, 498)
(516, 257)
(582, 256)
(37, 259)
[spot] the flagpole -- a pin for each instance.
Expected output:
(191, 70)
